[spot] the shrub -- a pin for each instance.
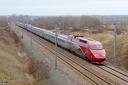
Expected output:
(96, 31)
(31, 66)
(74, 29)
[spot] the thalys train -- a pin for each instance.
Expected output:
(83, 47)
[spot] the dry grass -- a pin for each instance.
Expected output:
(13, 60)
(96, 31)
(29, 68)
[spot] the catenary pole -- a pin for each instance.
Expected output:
(114, 44)
(31, 31)
(55, 45)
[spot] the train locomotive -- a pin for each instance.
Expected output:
(84, 47)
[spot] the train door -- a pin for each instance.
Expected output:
(70, 37)
(87, 51)
(84, 47)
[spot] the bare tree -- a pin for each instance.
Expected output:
(3, 22)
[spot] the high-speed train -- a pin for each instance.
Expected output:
(84, 47)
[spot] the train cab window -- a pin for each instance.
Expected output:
(83, 41)
(93, 47)
(100, 47)
(96, 47)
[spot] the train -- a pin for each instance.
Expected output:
(87, 48)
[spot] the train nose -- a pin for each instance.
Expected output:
(99, 55)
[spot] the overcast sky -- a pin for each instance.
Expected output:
(64, 7)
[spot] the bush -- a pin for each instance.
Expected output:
(96, 31)
(31, 66)
(14, 36)
(74, 29)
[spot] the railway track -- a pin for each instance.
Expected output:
(117, 70)
(121, 75)
(71, 60)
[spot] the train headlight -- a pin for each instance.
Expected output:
(95, 54)
(104, 55)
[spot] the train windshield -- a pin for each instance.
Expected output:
(96, 47)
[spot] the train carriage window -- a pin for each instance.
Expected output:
(52, 36)
(46, 34)
(83, 41)
(61, 40)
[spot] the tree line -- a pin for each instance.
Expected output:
(67, 21)
(77, 22)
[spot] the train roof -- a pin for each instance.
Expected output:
(90, 41)
(86, 39)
